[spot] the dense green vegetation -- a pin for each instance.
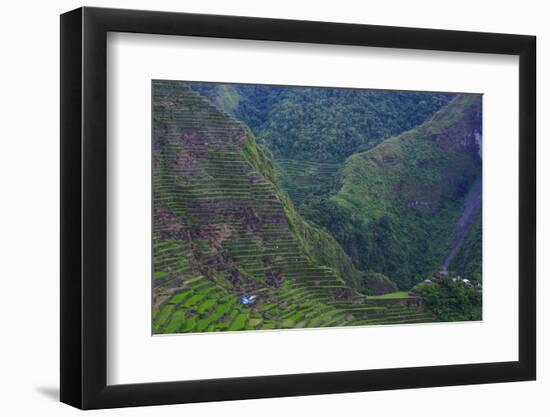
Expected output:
(224, 230)
(377, 283)
(467, 263)
(308, 181)
(252, 104)
(322, 124)
(327, 205)
(451, 300)
(310, 132)
(396, 210)
(320, 246)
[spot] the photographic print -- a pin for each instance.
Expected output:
(291, 207)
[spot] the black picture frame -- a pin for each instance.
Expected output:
(84, 207)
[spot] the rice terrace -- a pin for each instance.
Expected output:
(279, 207)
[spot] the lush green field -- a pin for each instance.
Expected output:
(391, 295)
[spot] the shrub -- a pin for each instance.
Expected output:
(451, 300)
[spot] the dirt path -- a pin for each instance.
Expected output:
(472, 205)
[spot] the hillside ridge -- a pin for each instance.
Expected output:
(223, 233)
(398, 203)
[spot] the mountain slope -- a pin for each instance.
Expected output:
(399, 202)
(322, 124)
(472, 206)
(223, 230)
(467, 261)
(309, 132)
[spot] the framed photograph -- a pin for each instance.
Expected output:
(257, 208)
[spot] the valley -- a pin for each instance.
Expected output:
(251, 233)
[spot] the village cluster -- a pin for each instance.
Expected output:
(442, 275)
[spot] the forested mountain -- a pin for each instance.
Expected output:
(309, 132)
(322, 124)
(468, 259)
(308, 202)
(398, 206)
(230, 251)
(316, 137)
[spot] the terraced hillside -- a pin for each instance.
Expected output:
(230, 252)
(304, 180)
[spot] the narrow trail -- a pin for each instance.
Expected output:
(472, 205)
